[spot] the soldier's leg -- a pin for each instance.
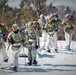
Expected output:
(68, 37)
(16, 55)
(4, 53)
(34, 55)
(38, 41)
(14, 61)
(47, 43)
(50, 44)
(44, 37)
(55, 42)
(29, 56)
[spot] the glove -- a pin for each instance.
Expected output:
(10, 40)
(36, 47)
(56, 30)
(4, 39)
(22, 41)
(43, 28)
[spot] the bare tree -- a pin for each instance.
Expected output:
(3, 3)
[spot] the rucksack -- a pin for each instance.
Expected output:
(5, 32)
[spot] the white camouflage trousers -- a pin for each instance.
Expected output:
(32, 52)
(51, 41)
(3, 50)
(68, 38)
(15, 57)
(43, 39)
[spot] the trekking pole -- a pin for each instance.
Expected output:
(8, 46)
(73, 41)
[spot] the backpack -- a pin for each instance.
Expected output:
(5, 32)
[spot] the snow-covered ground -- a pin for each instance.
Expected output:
(62, 63)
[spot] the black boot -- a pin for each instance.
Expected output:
(6, 60)
(69, 48)
(48, 51)
(56, 50)
(29, 63)
(14, 69)
(35, 62)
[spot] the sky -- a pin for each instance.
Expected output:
(65, 2)
(15, 3)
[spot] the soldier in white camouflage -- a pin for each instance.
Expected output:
(39, 32)
(17, 39)
(42, 21)
(52, 29)
(3, 32)
(32, 43)
(57, 21)
(69, 24)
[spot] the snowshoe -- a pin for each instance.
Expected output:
(48, 51)
(56, 50)
(13, 69)
(68, 48)
(34, 62)
(29, 63)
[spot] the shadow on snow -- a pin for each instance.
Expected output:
(63, 65)
(46, 55)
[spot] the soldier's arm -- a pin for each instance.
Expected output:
(74, 24)
(24, 39)
(59, 24)
(10, 38)
(4, 33)
(46, 26)
(63, 23)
